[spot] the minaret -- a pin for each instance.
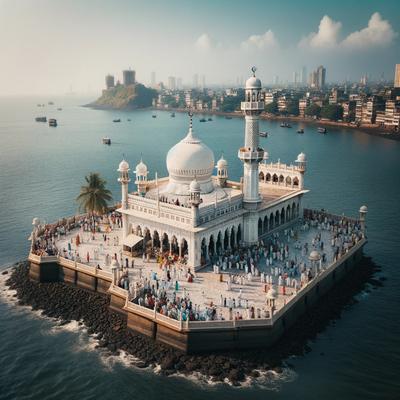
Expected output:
(301, 162)
(363, 213)
(124, 179)
(251, 154)
(222, 171)
(141, 177)
(195, 200)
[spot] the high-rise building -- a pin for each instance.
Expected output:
(321, 72)
(195, 81)
(109, 81)
(179, 85)
(203, 82)
(171, 83)
(128, 77)
(153, 79)
(303, 76)
(397, 76)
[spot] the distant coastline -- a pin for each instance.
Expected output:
(368, 129)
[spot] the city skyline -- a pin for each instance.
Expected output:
(47, 55)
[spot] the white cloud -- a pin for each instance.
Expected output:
(379, 32)
(326, 37)
(204, 42)
(266, 40)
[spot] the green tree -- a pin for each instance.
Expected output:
(293, 107)
(313, 110)
(94, 196)
(231, 103)
(272, 108)
(332, 112)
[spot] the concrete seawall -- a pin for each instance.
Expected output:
(196, 336)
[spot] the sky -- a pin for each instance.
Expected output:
(55, 46)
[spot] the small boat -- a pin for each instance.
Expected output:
(300, 130)
(38, 105)
(129, 119)
(117, 120)
(59, 109)
(106, 140)
(52, 122)
(228, 117)
(173, 115)
(322, 130)
(209, 119)
(50, 103)
(41, 119)
(202, 120)
(285, 125)
(263, 134)
(154, 116)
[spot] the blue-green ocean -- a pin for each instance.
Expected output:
(41, 170)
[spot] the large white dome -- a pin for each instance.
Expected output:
(187, 160)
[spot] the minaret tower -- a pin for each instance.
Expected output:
(195, 200)
(141, 177)
(301, 162)
(124, 179)
(222, 171)
(251, 154)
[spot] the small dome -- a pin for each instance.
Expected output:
(222, 163)
(363, 209)
(35, 221)
(314, 256)
(253, 83)
(194, 186)
(141, 168)
(266, 155)
(301, 157)
(123, 166)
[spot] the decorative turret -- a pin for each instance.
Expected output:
(222, 171)
(141, 177)
(251, 154)
(124, 179)
(363, 213)
(195, 200)
(301, 162)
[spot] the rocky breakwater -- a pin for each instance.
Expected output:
(66, 303)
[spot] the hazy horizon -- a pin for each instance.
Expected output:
(53, 47)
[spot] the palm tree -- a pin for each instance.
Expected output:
(94, 196)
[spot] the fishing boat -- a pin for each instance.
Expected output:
(154, 116)
(52, 122)
(129, 119)
(263, 134)
(227, 117)
(173, 115)
(202, 120)
(285, 125)
(106, 140)
(50, 103)
(209, 119)
(300, 130)
(117, 120)
(59, 109)
(322, 130)
(41, 119)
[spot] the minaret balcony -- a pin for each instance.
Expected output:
(246, 154)
(252, 105)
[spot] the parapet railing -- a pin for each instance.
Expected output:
(311, 212)
(71, 264)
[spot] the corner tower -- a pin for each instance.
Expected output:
(251, 154)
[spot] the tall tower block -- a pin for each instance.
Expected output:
(251, 154)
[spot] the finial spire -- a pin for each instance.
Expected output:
(190, 113)
(254, 69)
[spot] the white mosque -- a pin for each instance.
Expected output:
(195, 214)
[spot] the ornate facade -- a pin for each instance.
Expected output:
(196, 214)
